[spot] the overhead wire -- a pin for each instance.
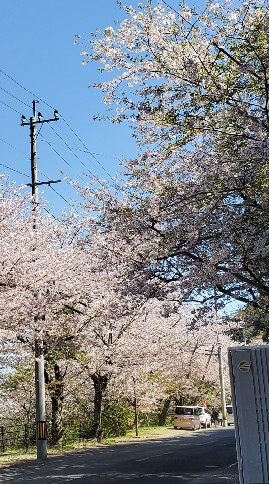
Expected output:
(24, 174)
(12, 169)
(83, 144)
(12, 146)
(176, 11)
(10, 107)
(191, 24)
(169, 6)
(58, 154)
(47, 104)
(66, 144)
(15, 97)
(51, 214)
(55, 189)
(87, 151)
(16, 82)
(60, 137)
(27, 176)
(59, 194)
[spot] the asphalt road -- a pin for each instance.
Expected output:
(201, 457)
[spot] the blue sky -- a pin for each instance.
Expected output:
(39, 59)
(38, 53)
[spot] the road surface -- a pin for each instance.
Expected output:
(201, 457)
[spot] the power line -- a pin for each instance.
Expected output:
(66, 144)
(87, 151)
(169, 6)
(16, 82)
(16, 171)
(176, 11)
(27, 176)
(51, 214)
(15, 97)
(55, 151)
(59, 194)
(83, 144)
(12, 169)
(12, 146)
(10, 107)
(47, 104)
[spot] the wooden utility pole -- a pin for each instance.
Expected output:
(41, 423)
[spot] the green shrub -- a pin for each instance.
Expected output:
(117, 419)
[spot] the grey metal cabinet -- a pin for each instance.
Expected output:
(249, 374)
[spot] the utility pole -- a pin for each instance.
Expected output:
(221, 378)
(41, 423)
(222, 388)
(135, 408)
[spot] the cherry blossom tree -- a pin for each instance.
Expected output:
(41, 277)
(194, 86)
(101, 314)
(160, 353)
(65, 291)
(16, 381)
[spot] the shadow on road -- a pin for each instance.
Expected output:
(197, 458)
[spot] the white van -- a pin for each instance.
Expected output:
(191, 417)
(187, 417)
(230, 414)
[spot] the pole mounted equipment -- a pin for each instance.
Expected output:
(32, 123)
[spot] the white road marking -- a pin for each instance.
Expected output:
(208, 442)
(234, 464)
(152, 456)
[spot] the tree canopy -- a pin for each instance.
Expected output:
(194, 86)
(188, 221)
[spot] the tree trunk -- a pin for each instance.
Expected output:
(163, 412)
(56, 420)
(180, 400)
(55, 389)
(100, 383)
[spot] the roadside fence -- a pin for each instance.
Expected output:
(22, 437)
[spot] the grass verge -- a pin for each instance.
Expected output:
(12, 457)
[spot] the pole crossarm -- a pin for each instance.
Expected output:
(43, 183)
(39, 119)
(23, 123)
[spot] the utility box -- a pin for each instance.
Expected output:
(249, 374)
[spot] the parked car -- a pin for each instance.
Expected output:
(230, 414)
(205, 418)
(187, 417)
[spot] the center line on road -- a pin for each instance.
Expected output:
(152, 456)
